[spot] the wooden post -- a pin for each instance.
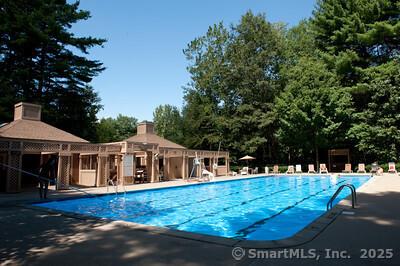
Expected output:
(134, 168)
(103, 170)
(227, 165)
(155, 168)
(149, 164)
(184, 166)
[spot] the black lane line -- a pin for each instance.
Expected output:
(175, 226)
(253, 188)
(243, 233)
(173, 196)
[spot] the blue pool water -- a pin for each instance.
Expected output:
(263, 208)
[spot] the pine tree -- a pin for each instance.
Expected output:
(42, 61)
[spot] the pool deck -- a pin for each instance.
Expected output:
(35, 237)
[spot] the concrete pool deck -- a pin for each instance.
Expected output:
(35, 237)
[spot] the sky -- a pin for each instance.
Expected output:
(145, 65)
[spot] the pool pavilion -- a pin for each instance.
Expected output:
(27, 142)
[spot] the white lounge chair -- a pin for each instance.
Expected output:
(244, 171)
(361, 168)
(255, 171)
(347, 168)
(290, 169)
(311, 169)
(298, 169)
(205, 174)
(392, 168)
(275, 170)
(323, 169)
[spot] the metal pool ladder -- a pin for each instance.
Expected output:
(353, 196)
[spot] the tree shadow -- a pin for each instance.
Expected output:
(374, 224)
(34, 237)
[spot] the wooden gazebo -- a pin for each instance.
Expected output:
(27, 142)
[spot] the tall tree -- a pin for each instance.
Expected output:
(235, 77)
(42, 61)
(361, 42)
(116, 129)
(376, 129)
(168, 123)
(314, 112)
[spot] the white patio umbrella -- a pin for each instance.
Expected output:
(247, 158)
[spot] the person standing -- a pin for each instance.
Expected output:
(47, 173)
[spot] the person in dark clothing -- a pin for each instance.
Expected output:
(47, 173)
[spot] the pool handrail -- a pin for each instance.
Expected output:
(353, 196)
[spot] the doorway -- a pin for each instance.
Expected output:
(31, 164)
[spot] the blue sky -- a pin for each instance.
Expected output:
(145, 38)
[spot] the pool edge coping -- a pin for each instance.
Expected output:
(307, 234)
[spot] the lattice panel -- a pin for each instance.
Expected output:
(15, 145)
(65, 147)
(4, 145)
(84, 147)
(103, 170)
(39, 147)
(14, 176)
(64, 172)
(113, 148)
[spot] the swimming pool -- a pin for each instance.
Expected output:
(262, 208)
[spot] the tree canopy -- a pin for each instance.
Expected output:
(116, 129)
(284, 93)
(42, 61)
(235, 78)
(168, 123)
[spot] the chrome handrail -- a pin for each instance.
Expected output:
(353, 196)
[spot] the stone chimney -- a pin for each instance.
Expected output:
(145, 127)
(27, 111)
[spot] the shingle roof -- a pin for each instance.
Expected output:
(153, 138)
(36, 130)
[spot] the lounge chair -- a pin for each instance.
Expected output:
(392, 168)
(244, 171)
(323, 169)
(298, 169)
(207, 175)
(290, 169)
(275, 170)
(347, 168)
(255, 171)
(233, 173)
(361, 168)
(311, 169)
(374, 168)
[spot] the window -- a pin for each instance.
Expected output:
(88, 162)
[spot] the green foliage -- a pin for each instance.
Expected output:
(42, 62)
(118, 129)
(168, 123)
(376, 129)
(235, 77)
(329, 82)
(314, 111)
(357, 33)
